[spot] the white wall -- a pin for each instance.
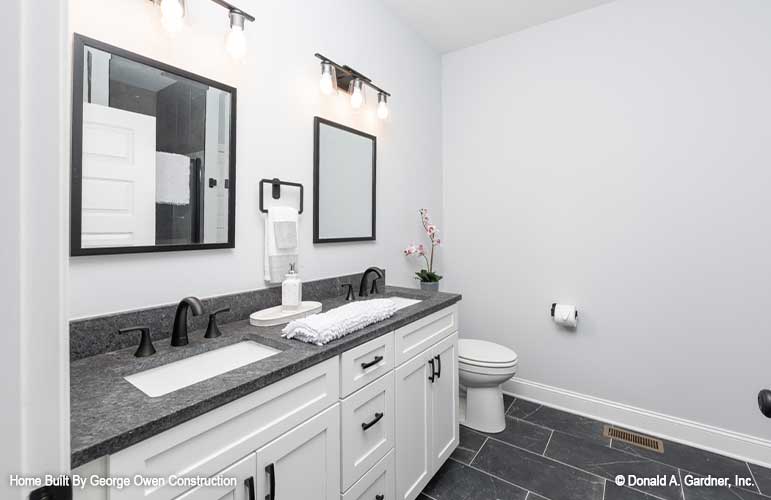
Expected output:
(33, 361)
(10, 250)
(278, 96)
(619, 159)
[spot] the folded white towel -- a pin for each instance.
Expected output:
(172, 178)
(324, 327)
(278, 258)
(286, 234)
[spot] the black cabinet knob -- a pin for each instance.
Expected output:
(764, 402)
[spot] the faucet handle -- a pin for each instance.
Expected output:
(349, 295)
(213, 330)
(146, 347)
(373, 289)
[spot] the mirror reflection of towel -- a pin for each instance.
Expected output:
(172, 178)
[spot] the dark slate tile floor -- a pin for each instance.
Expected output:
(762, 477)
(549, 454)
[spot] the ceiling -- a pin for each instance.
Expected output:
(453, 24)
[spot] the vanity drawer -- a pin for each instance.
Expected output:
(377, 483)
(367, 421)
(209, 443)
(365, 363)
(418, 336)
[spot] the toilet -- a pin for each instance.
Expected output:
(483, 366)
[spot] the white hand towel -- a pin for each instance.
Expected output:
(325, 327)
(172, 178)
(277, 259)
(286, 234)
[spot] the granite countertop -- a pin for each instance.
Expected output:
(108, 414)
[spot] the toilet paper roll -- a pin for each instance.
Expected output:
(566, 315)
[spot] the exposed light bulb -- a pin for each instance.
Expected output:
(327, 83)
(382, 106)
(172, 13)
(235, 42)
(357, 94)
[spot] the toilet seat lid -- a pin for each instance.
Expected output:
(473, 351)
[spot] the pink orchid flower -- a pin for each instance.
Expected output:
(433, 235)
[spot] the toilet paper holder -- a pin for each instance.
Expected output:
(554, 305)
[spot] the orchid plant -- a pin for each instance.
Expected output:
(426, 275)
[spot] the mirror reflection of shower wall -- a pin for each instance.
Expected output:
(155, 156)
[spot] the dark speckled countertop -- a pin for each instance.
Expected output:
(109, 414)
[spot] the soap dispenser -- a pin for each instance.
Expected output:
(291, 290)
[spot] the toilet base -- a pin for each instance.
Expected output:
(484, 409)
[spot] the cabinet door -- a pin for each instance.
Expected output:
(444, 401)
(242, 474)
(413, 436)
(304, 463)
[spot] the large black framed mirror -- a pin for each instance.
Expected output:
(153, 155)
(344, 183)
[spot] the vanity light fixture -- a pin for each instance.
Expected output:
(173, 13)
(335, 76)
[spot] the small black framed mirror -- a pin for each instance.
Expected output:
(153, 155)
(344, 183)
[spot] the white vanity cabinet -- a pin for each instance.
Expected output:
(374, 423)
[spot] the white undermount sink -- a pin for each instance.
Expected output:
(174, 376)
(402, 302)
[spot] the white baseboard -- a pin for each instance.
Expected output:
(706, 437)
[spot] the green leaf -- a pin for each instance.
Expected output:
(427, 276)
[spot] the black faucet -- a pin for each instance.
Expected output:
(363, 285)
(179, 331)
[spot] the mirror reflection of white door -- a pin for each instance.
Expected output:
(118, 177)
(216, 163)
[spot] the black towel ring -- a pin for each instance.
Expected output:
(276, 191)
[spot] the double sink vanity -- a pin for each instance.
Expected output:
(372, 415)
(243, 414)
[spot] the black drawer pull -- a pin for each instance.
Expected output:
(438, 366)
(249, 483)
(271, 471)
(375, 361)
(367, 425)
(379, 497)
(432, 377)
